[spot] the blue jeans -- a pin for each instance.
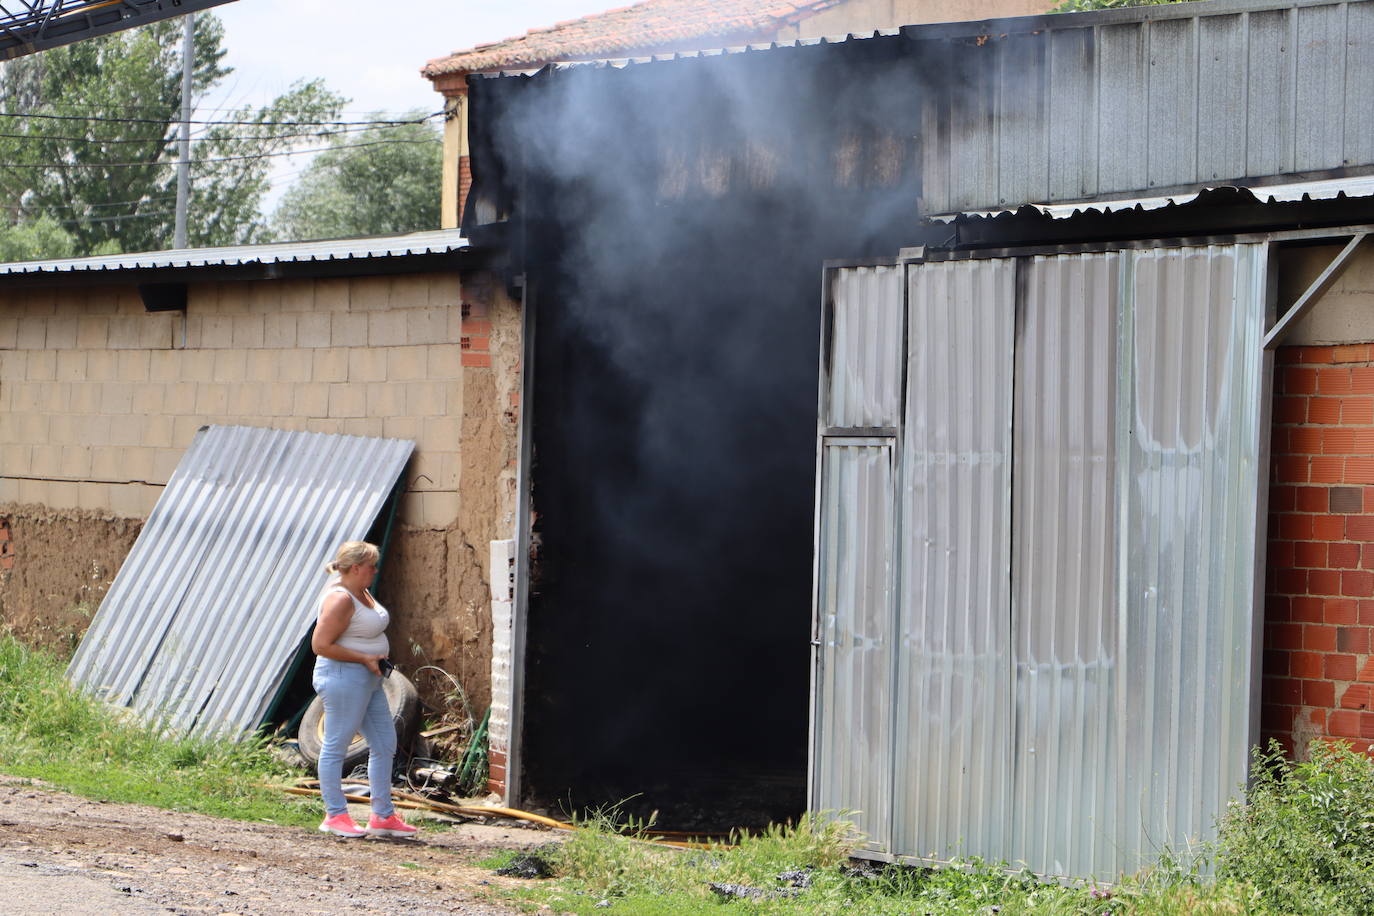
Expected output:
(354, 702)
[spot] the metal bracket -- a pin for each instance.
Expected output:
(1285, 325)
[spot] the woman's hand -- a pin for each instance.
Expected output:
(371, 662)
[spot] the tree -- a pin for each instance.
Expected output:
(380, 181)
(39, 238)
(88, 140)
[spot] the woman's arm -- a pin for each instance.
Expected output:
(335, 614)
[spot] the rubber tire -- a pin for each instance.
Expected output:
(401, 698)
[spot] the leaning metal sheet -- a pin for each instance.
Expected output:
(210, 606)
(865, 368)
(953, 695)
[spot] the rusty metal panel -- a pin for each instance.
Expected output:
(210, 607)
(953, 686)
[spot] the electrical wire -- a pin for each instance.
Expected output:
(199, 137)
(104, 120)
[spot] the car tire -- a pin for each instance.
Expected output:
(401, 698)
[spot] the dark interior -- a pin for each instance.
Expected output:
(674, 275)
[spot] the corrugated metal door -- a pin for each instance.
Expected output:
(1080, 472)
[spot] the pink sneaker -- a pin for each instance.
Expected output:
(341, 825)
(390, 826)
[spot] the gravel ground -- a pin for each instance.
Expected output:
(64, 854)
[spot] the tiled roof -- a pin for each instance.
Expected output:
(648, 26)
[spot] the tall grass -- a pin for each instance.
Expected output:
(56, 733)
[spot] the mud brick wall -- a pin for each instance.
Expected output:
(1319, 615)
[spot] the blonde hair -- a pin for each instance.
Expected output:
(351, 554)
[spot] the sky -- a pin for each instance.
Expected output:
(372, 59)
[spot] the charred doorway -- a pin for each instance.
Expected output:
(671, 222)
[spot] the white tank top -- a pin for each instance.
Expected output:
(366, 632)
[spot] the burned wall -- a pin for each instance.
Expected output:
(677, 218)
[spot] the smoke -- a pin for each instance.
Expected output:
(676, 217)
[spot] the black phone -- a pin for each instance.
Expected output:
(385, 666)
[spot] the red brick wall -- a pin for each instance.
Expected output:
(1319, 615)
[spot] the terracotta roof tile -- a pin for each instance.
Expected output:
(653, 25)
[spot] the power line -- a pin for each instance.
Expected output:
(130, 165)
(202, 137)
(105, 120)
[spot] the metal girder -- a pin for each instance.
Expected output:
(29, 26)
(1308, 299)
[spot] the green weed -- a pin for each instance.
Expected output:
(53, 732)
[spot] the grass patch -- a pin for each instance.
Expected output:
(53, 732)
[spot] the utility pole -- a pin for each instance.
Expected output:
(184, 162)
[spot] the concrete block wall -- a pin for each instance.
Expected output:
(99, 398)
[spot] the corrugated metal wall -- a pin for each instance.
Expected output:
(1075, 581)
(211, 604)
(1154, 99)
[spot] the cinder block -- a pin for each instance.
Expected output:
(346, 400)
(126, 431)
(443, 433)
(438, 510)
(402, 428)
(426, 326)
(184, 430)
(445, 290)
(347, 330)
(126, 500)
(386, 328)
(313, 329)
(164, 463)
(132, 365)
(55, 397)
(312, 400)
(75, 462)
(332, 295)
(117, 398)
(33, 332)
(179, 398)
(426, 470)
(245, 400)
(195, 326)
(427, 399)
(369, 294)
(362, 426)
(406, 364)
(85, 397)
(366, 364)
(297, 295)
(92, 332)
(149, 398)
(125, 332)
(94, 497)
(261, 365)
(158, 330)
(101, 366)
(16, 459)
(71, 365)
(231, 299)
(38, 302)
(9, 490)
(157, 431)
(13, 365)
(61, 332)
(41, 366)
(31, 428)
(92, 431)
(106, 463)
(410, 291)
(9, 333)
(230, 365)
(212, 399)
(197, 365)
(329, 425)
(216, 332)
(442, 361)
(45, 460)
(33, 491)
(62, 494)
(67, 429)
(329, 365)
(278, 401)
(279, 330)
(248, 330)
(139, 462)
(295, 365)
(385, 399)
(264, 296)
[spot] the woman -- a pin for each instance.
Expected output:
(350, 640)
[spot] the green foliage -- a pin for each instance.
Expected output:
(43, 237)
(376, 182)
(1306, 839)
(111, 183)
(1078, 6)
(54, 732)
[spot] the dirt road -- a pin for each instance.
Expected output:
(64, 854)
